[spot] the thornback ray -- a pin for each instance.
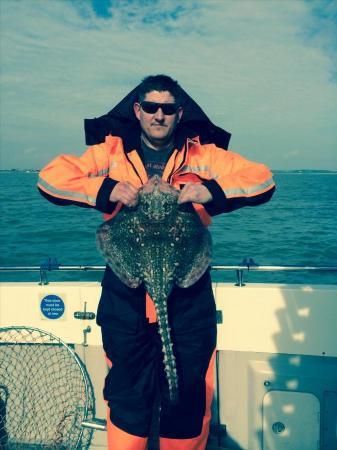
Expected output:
(161, 244)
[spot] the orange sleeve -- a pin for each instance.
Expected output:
(81, 180)
(237, 182)
(239, 176)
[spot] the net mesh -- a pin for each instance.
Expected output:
(45, 392)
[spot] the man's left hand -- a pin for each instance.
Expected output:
(194, 192)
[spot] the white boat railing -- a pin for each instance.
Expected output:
(247, 265)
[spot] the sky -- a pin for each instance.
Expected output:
(264, 70)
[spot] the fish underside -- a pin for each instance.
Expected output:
(161, 244)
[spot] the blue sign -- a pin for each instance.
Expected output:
(52, 306)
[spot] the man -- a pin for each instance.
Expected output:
(107, 177)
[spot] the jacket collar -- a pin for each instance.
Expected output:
(131, 137)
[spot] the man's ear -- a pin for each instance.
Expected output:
(136, 108)
(180, 113)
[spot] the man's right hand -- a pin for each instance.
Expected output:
(124, 192)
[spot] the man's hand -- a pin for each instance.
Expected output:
(194, 192)
(124, 192)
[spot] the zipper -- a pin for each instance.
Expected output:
(134, 167)
(181, 164)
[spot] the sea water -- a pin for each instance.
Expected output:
(298, 226)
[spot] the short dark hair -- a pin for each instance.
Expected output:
(159, 83)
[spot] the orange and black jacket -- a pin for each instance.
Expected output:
(88, 180)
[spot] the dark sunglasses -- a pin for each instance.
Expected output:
(152, 107)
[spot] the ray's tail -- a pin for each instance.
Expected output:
(167, 348)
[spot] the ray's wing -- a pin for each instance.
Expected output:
(117, 240)
(193, 252)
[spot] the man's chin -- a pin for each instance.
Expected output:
(159, 140)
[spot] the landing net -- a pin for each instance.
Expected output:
(45, 392)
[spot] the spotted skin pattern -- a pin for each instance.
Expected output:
(160, 243)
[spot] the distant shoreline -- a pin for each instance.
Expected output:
(21, 170)
(304, 171)
(275, 171)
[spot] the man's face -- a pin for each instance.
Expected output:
(158, 127)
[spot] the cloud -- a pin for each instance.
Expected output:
(266, 71)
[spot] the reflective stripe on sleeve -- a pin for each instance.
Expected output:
(67, 194)
(251, 190)
(100, 173)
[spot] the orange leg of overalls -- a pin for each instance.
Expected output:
(119, 439)
(199, 442)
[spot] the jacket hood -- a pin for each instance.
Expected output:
(121, 119)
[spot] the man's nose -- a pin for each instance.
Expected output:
(159, 115)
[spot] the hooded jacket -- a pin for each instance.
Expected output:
(114, 156)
